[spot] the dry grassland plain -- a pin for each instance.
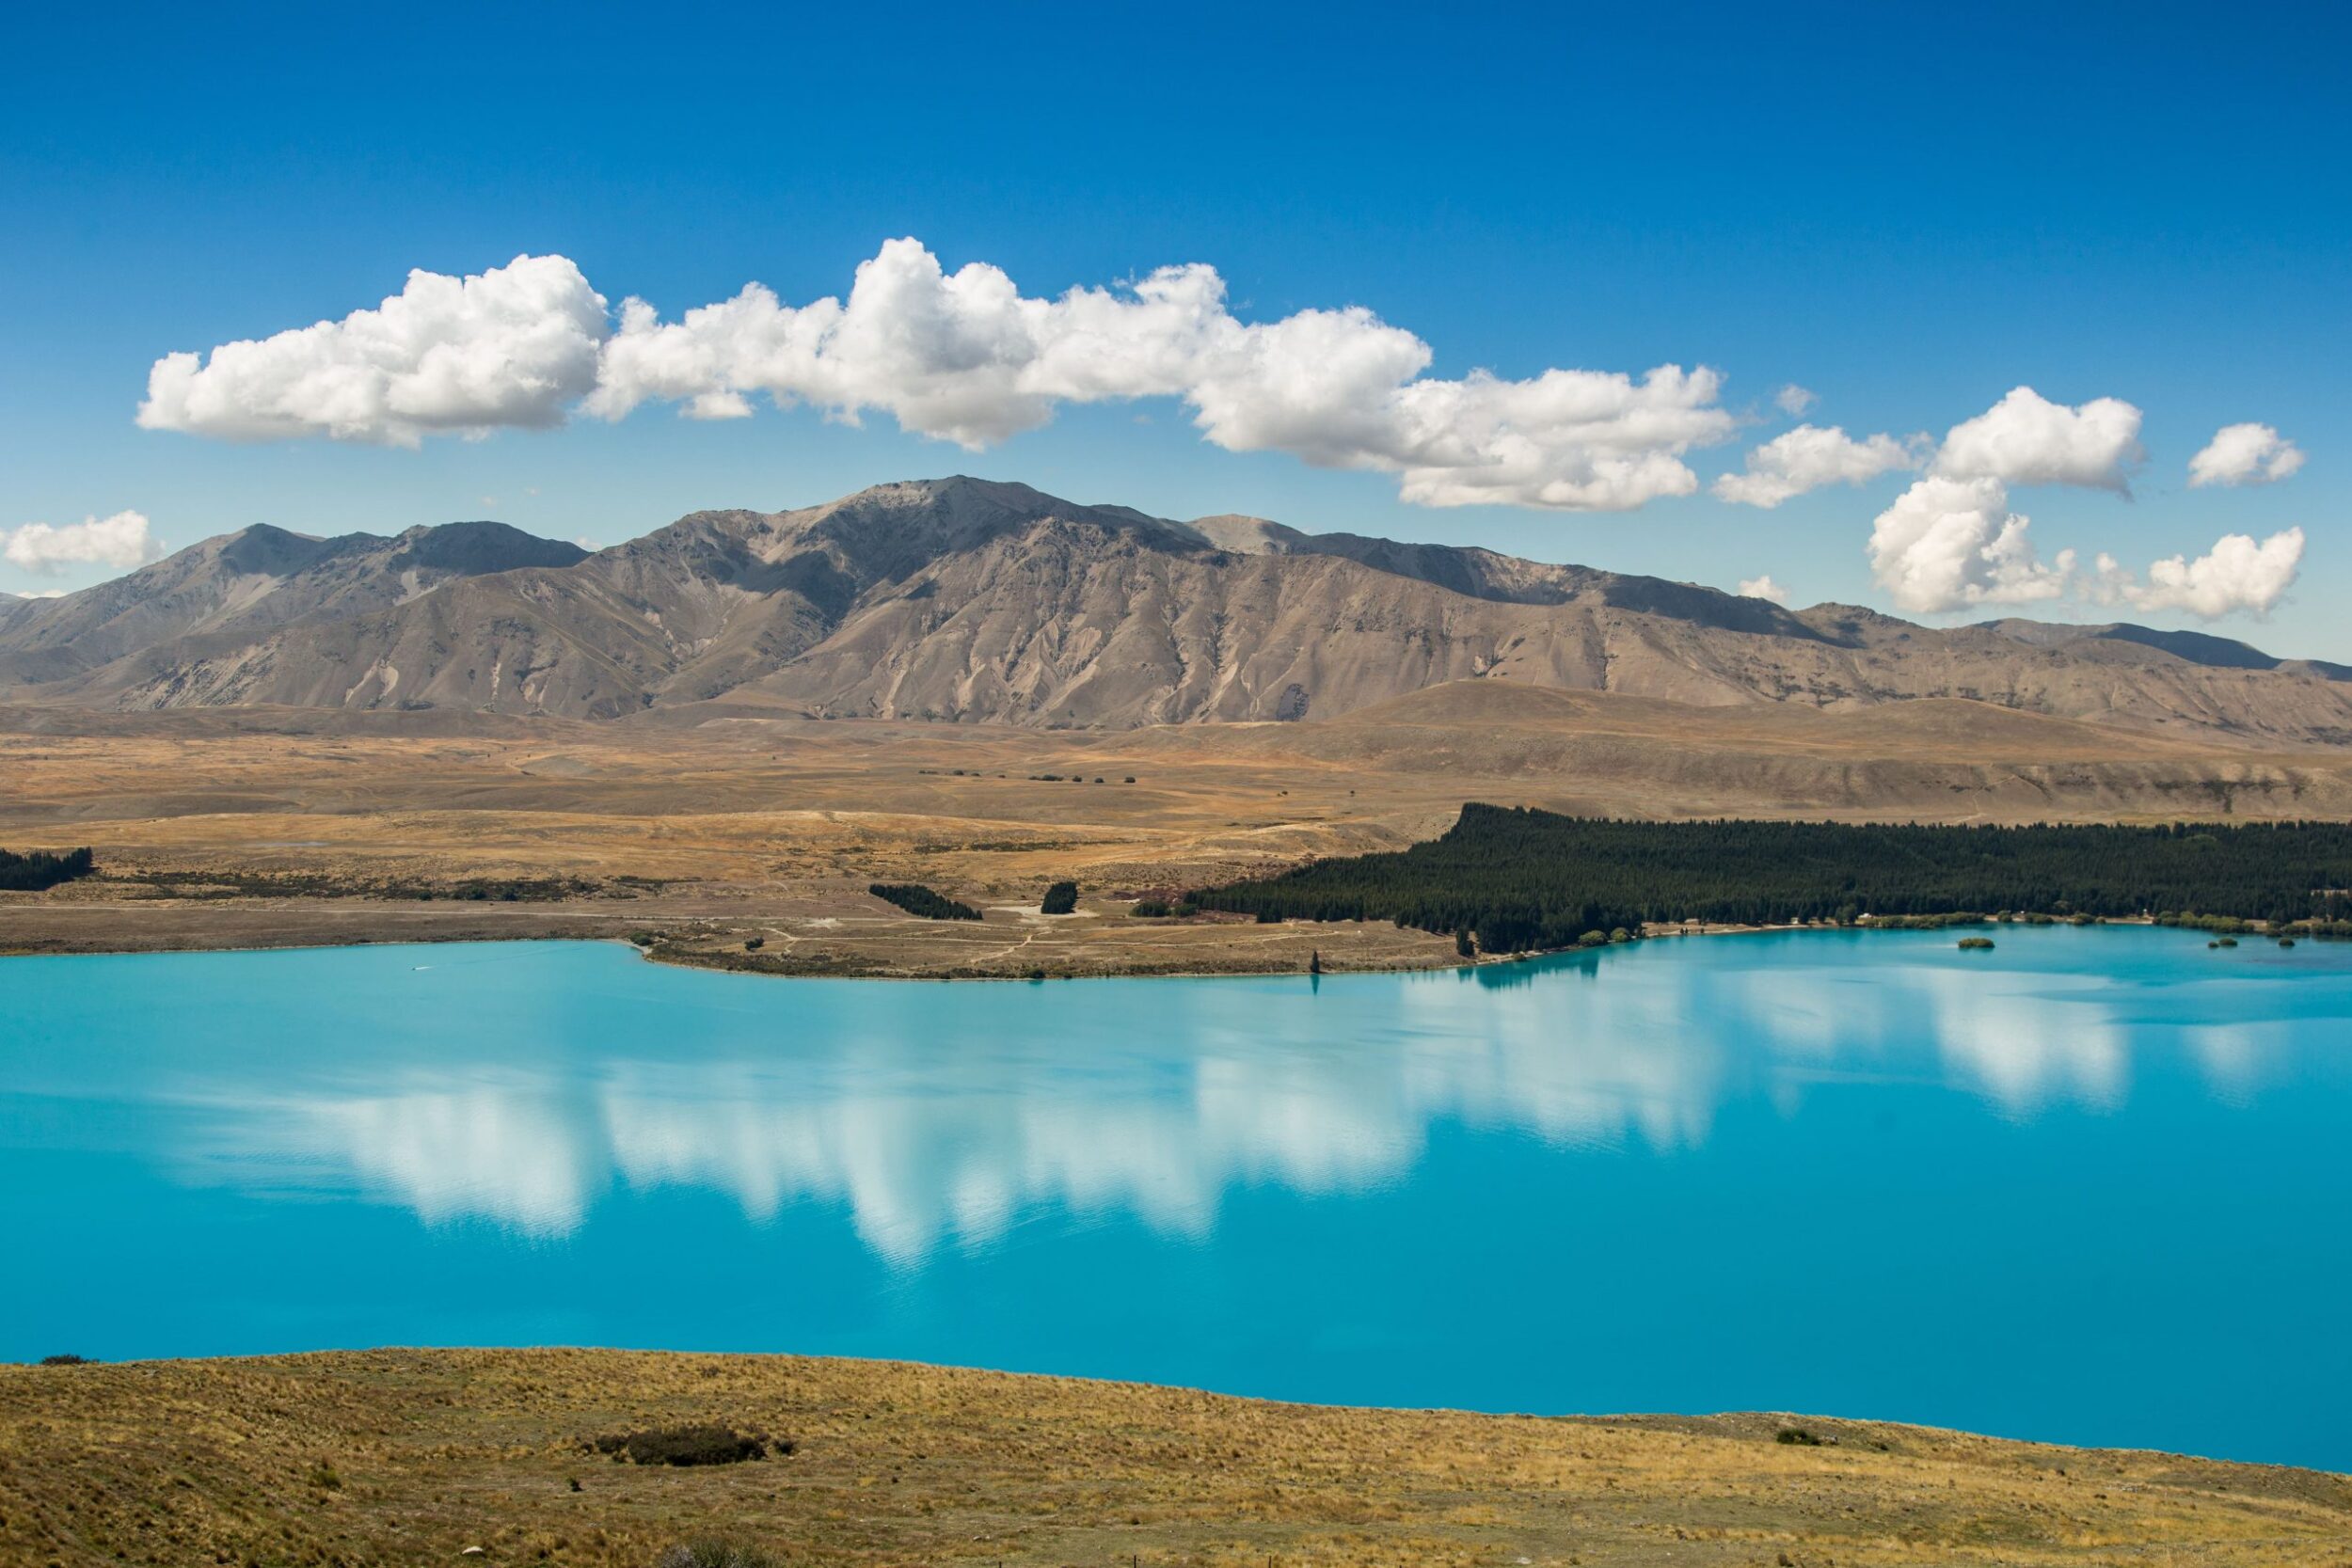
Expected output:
(708, 828)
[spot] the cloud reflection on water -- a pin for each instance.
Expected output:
(928, 1144)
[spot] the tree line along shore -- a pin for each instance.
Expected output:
(1516, 879)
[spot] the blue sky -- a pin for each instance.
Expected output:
(1907, 213)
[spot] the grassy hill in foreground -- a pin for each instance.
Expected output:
(412, 1456)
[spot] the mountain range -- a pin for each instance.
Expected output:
(974, 601)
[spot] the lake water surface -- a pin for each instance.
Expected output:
(2094, 1186)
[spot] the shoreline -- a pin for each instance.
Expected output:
(416, 1455)
(709, 955)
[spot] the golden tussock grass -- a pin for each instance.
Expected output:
(412, 1456)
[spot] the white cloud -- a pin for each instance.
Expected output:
(1763, 587)
(2236, 575)
(2244, 454)
(965, 356)
(124, 540)
(962, 357)
(1794, 401)
(2026, 439)
(1950, 543)
(515, 346)
(1808, 457)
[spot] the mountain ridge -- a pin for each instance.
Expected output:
(980, 601)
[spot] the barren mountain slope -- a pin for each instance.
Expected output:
(230, 589)
(966, 600)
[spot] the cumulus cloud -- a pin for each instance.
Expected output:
(2235, 576)
(962, 357)
(2244, 454)
(2026, 439)
(1763, 587)
(1807, 458)
(123, 540)
(1951, 543)
(1794, 401)
(515, 346)
(965, 356)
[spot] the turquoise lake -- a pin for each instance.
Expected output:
(2092, 1187)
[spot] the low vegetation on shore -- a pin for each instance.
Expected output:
(607, 1459)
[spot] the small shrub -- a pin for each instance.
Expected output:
(1151, 909)
(1798, 1436)
(67, 1360)
(753, 945)
(716, 1554)
(698, 1443)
